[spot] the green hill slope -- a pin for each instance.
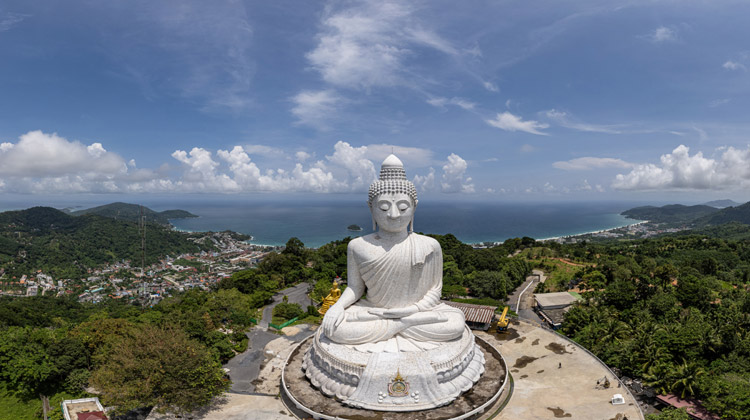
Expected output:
(43, 238)
(739, 214)
(672, 213)
(132, 213)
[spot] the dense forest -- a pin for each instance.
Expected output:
(673, 311)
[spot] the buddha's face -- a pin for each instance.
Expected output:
(393, 211)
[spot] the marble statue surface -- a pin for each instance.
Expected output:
(399, 348)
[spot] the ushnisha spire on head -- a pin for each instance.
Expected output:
(392, 180)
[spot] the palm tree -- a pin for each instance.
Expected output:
(686, 376)
(614, 330)
(657, 377)
(650, 355)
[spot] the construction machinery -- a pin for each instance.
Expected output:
(502, 323)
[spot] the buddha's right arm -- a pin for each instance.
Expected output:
(355, 286)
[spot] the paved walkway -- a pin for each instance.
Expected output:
(554, 378)
(295, 294)
(245, 367)
(521, 300)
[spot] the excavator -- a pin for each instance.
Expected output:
(502, 323)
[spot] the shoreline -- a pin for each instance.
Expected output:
(554, 238)
(551, 238)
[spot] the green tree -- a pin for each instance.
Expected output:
(294, 247)
(159, 367)
(594, 280)
(288, 310)
(670, 414)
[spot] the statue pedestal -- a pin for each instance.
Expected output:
(306, 400)
(395, 380)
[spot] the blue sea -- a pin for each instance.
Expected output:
(319, 219)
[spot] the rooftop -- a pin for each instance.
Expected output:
(554, 299)
(482, 314)
(83, 409)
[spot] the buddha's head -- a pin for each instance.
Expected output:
(392, 198)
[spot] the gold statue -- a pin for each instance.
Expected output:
(332, 297)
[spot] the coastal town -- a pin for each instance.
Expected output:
(127, 280)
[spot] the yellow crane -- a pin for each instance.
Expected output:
(502, 323)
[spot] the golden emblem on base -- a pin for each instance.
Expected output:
(398, 386)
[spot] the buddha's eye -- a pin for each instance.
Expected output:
(385, 206)
(403, 206)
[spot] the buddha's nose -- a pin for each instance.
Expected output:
(393, 212)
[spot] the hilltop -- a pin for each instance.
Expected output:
(132, 213)
(43, 238)
(672, 213)
(720, 204)
(739, 214)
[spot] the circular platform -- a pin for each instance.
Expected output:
(303, 399)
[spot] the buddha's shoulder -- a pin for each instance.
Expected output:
(427, 240)
(361, 242)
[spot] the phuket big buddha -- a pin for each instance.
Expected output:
(388, 343)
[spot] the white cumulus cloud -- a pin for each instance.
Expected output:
(454, 179)
(302, 156)
(353, 159)
(509, 122)
(37, 154)
(425, 182)
(681, 171)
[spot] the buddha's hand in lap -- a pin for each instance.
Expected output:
(332, 319)
(394, 312)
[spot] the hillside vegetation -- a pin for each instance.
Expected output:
(672, 213)
(43, 238)
(132, 213)
(673, 311)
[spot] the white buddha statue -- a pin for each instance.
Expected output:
(400, 348)
(401, 272)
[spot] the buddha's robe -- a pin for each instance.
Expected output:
(410, 273)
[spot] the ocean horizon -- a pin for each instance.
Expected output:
(317, 220)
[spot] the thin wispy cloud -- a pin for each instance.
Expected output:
(316, 108)
(459, 102)
(509, 122)
(202, 53)
(733, 65)
(564, 119)
(661, 35)
(492, 87)
(9, 19)
(366, 45)
(589, 163)
(719, 102)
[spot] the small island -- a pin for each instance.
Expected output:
(354, 228)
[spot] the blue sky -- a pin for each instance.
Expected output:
(505, 100)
